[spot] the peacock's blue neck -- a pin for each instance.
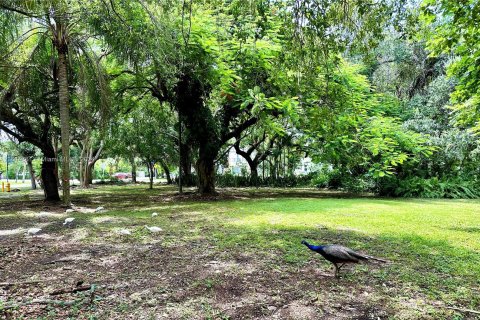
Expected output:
(313, 247)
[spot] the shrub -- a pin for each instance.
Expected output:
(336, 179)
(230, 180)
(444, 187)
(358, 184)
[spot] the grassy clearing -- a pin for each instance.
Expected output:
(215, 257)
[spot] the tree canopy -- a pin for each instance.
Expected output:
(376, 91)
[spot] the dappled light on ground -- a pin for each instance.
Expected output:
(241, 258)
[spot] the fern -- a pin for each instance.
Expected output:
(445, 187)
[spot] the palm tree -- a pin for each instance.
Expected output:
(60, 21)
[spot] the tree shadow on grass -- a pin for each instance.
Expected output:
(433, 267)
(420, 267)
(279, 265)
(130, 196)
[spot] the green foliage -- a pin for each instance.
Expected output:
(239, 181)
(339, 180)
(420, 81)
(146, 133)
(454, 31)
(445, 187)
(3, 165)
(360, 136)
(286, 71)
(323, 179)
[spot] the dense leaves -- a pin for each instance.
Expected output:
(181, 83)
(454, 31)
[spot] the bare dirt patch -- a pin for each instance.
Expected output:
(142, 280)
(182, 273)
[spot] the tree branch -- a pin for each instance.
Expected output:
(18, 10)
(239, 129)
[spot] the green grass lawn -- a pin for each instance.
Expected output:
(433, 246)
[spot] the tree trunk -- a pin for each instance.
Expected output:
(253, 164)
(151, 178)
(167, 171)
(92, 158)
(263, 170)
(32, 173)
(206, 175)
(150, 167)
(254, 173)
(55, 149)
(23, 172)
(88, 178)
(83, 162)
(63, 98)
(80, 171)
(187, 178)
(88, 173)
(134, 170)
(49, 179)
(207, 153)
(199, 122)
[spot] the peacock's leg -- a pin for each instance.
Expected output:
(337, 269)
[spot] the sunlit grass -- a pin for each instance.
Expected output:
(455, 222)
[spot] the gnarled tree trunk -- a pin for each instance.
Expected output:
(92, 158)
(253, 173)
(89, 173)
(254, 162)
(25, 132)
(206, 170)
(49, 178)
(199, 121)
(206, 131)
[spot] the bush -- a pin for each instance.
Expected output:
(444, 187)
(455, 187)
(336, 179)
(230, 180)
(112, 181)
(411, 187)
(358, 184)
(187, 181)
(321, 179)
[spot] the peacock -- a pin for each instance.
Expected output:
(340, 255)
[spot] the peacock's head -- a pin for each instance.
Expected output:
(305, 242)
